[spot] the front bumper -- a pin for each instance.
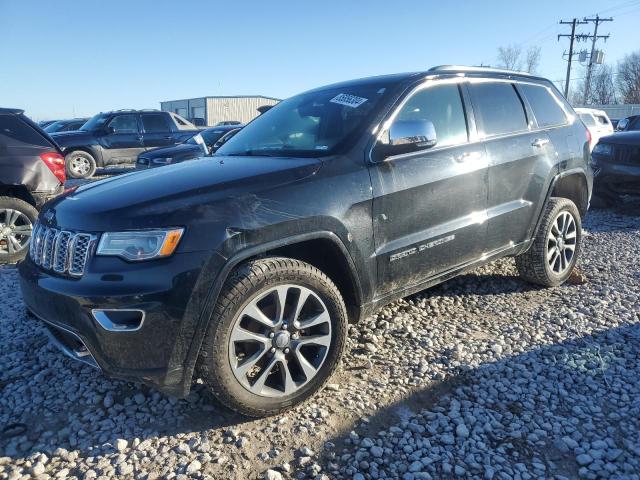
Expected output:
(163, 289)
(613, 178)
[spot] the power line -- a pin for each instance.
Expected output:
(596, 21)
(572, 38)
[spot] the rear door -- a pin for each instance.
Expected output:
(157, 130)
(519, 161)
(428, 205)
(122, 141)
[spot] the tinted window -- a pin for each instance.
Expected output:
(498, 107)
(124, 124)
(442, 106)
(587, 119)
(635, 124)
(545, 106)
(155, 123)
(17, 133)
(602, 120)
(311, 124)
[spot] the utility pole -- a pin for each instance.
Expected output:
(572, 37)
(597, 21)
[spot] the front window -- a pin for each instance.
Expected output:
(97, 122)
(311, 124)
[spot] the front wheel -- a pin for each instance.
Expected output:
(556, 246)
(16, 225)
(275, 337)
(80, 164)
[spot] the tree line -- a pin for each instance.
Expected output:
(610, 84)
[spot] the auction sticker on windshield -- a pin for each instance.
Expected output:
(348, 100)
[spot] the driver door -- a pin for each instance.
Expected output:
(429, 206)
(123, 141)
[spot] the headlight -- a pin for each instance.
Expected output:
(161, 161)
(603, 149)
(140, 245)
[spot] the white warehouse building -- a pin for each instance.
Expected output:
(214, 110)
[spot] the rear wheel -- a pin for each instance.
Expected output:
(16, 225)
(556, 246)
(275, 337)
(80, 164)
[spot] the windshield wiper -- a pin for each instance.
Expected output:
(251, 153)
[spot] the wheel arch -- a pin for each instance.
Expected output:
(324, 250)
(574, 186)
(18, 191)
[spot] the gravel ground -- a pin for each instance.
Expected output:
(481, 377)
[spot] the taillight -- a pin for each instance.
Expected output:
(588, 136)
(55, 162)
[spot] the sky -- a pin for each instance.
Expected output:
(63, 58)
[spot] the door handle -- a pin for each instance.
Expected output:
(539, 142)
(463, 157)
(168, 137)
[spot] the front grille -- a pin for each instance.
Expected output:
(59, 250)
(627, 154)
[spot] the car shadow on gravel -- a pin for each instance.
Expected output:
(61, 403)
(559, 409)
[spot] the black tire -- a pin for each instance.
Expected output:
(87, 161)
(29, 213)
(245, 284)
(533, 265)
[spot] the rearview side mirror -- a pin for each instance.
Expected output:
(417, 133)
(405, 136)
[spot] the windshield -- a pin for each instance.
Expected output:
(311, 124)
(95, 122)
(54, 127)
(210, 136)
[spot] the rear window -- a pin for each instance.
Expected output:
(544, 104)
(498, 107)
(587, 119)
(14, 132)
(602, 120)
(155, 123)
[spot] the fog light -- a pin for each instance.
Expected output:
(115, 320)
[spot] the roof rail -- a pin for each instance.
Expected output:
(149, 110)
(464, 68)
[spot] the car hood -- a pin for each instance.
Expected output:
(71, 138)
(170, 152)
(175, 195)
(622, 138)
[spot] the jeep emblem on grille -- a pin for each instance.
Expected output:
(50, 215)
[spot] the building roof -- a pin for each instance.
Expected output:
(223, 96)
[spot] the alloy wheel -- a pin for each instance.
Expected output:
(280, 340)
(561, 243)
(79, 165)
(15, 231)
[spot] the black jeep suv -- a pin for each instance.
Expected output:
(615, 161)
(118, 137)
(245, 268)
